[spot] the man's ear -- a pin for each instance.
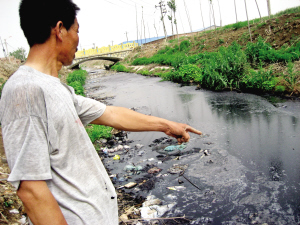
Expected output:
(59, 30)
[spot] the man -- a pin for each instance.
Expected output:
(54, 166)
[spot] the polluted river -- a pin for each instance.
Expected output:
(244, 169)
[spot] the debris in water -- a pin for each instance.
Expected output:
(172, 148)
(176, 188)
(116, 157)
(130, 185)
(154, 170)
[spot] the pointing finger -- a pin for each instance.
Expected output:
(193, 130)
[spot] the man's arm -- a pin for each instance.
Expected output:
(40, 205)
(129, 120)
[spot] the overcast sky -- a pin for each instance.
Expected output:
(105, 22)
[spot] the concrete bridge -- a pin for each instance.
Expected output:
(112, 53)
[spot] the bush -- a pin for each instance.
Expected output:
(292, 78)
(76, 79)
(185, 74)
(261, 51)
(224, 68)
(261, 79)
(78, 88)
(77, 75)
(119, 68)
(185, 46)
(97, 132)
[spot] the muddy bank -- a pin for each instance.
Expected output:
(250, 172)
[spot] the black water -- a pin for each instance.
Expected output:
(252, 174)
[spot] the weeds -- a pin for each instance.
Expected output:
(119, 68)
(76, 79)
(97, 132)
(292, 78)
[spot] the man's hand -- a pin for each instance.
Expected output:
(40, 205)
(180, 131)
(129, 120)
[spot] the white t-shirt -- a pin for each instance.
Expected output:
(44, 138)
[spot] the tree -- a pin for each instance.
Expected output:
(220, 14)
(258, 9)
(19, 53)
(163, 12)
(201, 14)
(173, 7)
(235, 12)
(170, 17)
(188, 16)
(269, 8)
(248, 20)
(213, 13)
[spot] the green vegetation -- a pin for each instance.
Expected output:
(76, 79)
(119, 68)
(97, 132)
(19, 53)
(2, 85)
(228, 67)
(233, 62)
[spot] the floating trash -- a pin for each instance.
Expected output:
(116, 157)
(172, 148)
(176, 188)
(130, 185)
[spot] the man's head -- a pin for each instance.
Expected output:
(38, 17)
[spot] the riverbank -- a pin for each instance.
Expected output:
(228, 59)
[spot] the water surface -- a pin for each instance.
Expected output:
(252, 173)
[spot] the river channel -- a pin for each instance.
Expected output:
(252, 172)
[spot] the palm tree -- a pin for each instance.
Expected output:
(170, 17)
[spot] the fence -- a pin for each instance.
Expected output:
(113, 48)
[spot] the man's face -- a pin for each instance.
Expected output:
(70, 43)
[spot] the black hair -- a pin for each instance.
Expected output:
(38, 17)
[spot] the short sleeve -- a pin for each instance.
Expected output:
(88, 109)
(26, 146)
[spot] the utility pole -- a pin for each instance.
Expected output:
(126, 36)
(163, 12)
(155, 29)
(3, 48)
(144, 24)
(112, 43)
(137, 27)
(148, 31)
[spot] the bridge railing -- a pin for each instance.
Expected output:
(96, 51)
